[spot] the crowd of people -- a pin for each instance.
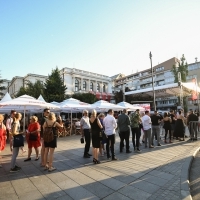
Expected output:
(99, 129)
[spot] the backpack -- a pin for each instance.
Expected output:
(48, 133)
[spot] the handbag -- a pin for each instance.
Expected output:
(82, 140)
(18, 140)
(103, 135)
(33, 137)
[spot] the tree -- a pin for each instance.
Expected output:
(183, 69)
(32, 89)
(85, 97)
(54, 87)
(1, 86)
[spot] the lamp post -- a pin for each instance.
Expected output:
(181, 89)
(197, 93)
(152, 76)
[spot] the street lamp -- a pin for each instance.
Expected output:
(181, 89)
(154, 98)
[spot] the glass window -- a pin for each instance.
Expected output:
(91, 86)
(76, 85)
(98, 87)
(84, 85)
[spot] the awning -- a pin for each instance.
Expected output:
(172, 89)
(103, 96)
(98, 95)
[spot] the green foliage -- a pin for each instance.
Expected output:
(182, 68)
(54, 87)
(85, 97)
(32, 89)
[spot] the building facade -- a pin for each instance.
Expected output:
(17, 82)
(81, 81)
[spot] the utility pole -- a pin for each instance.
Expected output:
(152, 76)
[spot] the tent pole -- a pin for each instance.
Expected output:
(71, 123)
(24, 120)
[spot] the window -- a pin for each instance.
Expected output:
(98, 87)
(159, 69)
(91, 86)
(104, 88)
(76, 85)
(84, 85)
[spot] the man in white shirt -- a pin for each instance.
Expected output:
(110, 126)
(146, 122)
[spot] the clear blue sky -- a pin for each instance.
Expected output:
(102, 36)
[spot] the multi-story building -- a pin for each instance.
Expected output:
(17, 82)
(143, 79)
(4, 84)
(81, 81)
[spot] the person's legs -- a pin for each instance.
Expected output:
(14, 157)
(138, 133)
(37, 152)
(133, 130)
(46, 151)
(122, 137)
(51, 153)
(108, 146)
(149, 137)
(29, 152)
(170, 136)
(42, 152)
(153, 134)
(112, 142)
(157, 130)
(145, 138)
(126, 137)
(166, 131)
(87, 141)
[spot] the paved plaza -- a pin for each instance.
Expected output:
(159, 173)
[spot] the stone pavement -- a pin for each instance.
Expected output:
(195, 177)
(159, 173)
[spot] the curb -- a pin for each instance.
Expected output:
(185, 189)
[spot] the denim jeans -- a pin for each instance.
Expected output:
(15, 152)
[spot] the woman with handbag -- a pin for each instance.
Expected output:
(18, 141)
(33, 137)
(95, 130)
(3, 134)
(50, 140)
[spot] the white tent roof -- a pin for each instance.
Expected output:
(6, 98)
(105, 106)
(130, 107)
(172, 89)
(41, 98)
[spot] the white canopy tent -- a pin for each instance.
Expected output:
(104, 106)
(130, 107)
(6, 97)
(24, 103)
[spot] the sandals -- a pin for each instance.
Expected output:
(37, 158)
(46, 168)
(51, 169)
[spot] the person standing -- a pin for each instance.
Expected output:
(110, 126)
(95, 131)
(167, 126)
(3, 134)
(135, 122)
(192, 125)
(123, 123)
(173, 121)
(33, 137)
(18, 141)
(85, 131)
(179, 131)
(45, 117)
(146, 122)
(155, 119)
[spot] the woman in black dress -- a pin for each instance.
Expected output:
(167, 127)
(179, 131)
(50, 146)
(95, 130)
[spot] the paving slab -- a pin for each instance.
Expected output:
(159, 173)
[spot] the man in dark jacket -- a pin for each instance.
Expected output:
(192, 125)
(124, 130)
